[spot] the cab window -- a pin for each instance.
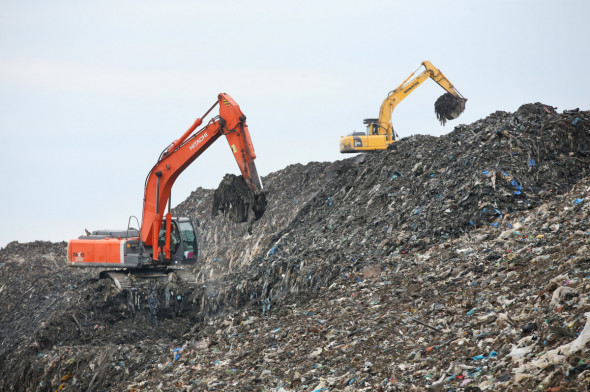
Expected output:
(174, 237)
(190, 240)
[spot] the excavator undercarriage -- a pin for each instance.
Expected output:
(125, 279)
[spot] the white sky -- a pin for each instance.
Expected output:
(91, 92)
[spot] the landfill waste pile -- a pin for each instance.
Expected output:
(453, 263)
(33, 283)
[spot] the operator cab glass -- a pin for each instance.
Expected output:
(183, 241)
(372, 126)
(189, 239)
(372, 129)
(174, 237)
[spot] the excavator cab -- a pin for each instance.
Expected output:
(183, 241)
(122, 248)
(372, 126)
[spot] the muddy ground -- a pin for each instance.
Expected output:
(452, 263)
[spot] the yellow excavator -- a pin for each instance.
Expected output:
(380, 134)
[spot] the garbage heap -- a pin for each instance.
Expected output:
(426, 189)
(225, 245)
(451, 263)
(429, 189)
(33, 283)
(503, 308)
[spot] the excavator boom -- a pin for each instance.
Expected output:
(150, 246)
(180, 154)
(380, 133)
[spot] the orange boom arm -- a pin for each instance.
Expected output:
(231, 122)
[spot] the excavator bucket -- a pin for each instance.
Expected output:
(236, 199)
(448, 107)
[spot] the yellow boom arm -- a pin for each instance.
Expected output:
(385, 127)
(380, 134)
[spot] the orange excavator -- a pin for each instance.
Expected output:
(163, 243)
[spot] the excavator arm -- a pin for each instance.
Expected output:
(406, 88)
(143, 251)
(231, 123)
(380, 133)
(442, 81)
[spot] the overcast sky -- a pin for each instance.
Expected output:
(91, 92)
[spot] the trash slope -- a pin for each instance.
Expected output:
(457, 262)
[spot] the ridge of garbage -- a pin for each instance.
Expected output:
(450, 263)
